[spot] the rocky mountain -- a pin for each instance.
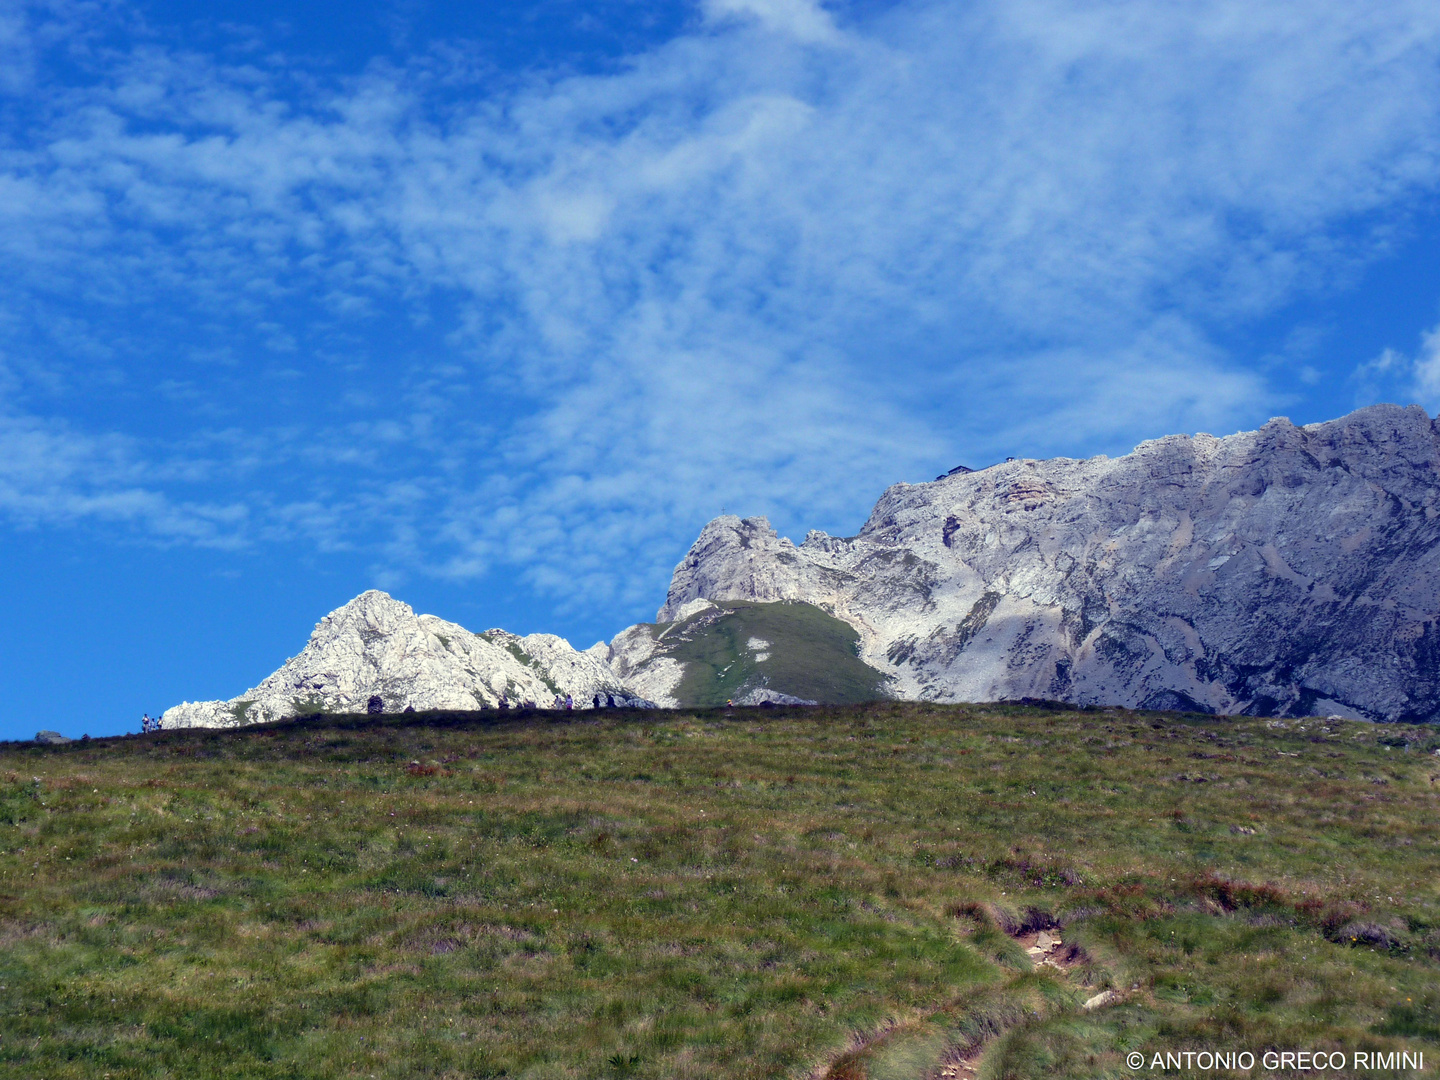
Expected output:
(1285, 571)
(377, 646)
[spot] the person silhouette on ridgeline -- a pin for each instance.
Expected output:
(569, 702)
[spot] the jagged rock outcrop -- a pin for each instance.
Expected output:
(376, 645)
(1286, 571)
(636, 658)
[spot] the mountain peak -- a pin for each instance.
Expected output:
(377, 647)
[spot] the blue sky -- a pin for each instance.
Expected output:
(495, 306)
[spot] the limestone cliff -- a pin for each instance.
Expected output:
(1290, 571)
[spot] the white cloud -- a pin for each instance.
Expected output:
(51, 475)
(1427, 370)
(740, 271)
(803, 20)
(1396, 375)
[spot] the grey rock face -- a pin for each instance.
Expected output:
(635, 658)
(1288, 571)
(50, 738)
(377, 647)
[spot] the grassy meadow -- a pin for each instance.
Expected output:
(841, 892)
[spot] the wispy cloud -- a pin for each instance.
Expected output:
(772, 264)
(1414, 377)
(51, 475)
(802, 20)
(1427, 369)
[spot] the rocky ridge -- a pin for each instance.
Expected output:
(377, 646)
(1285, 571)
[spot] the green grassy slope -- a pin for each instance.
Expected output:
(835, 892)
(811, 655)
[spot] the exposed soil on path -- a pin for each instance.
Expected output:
(1046, 948)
